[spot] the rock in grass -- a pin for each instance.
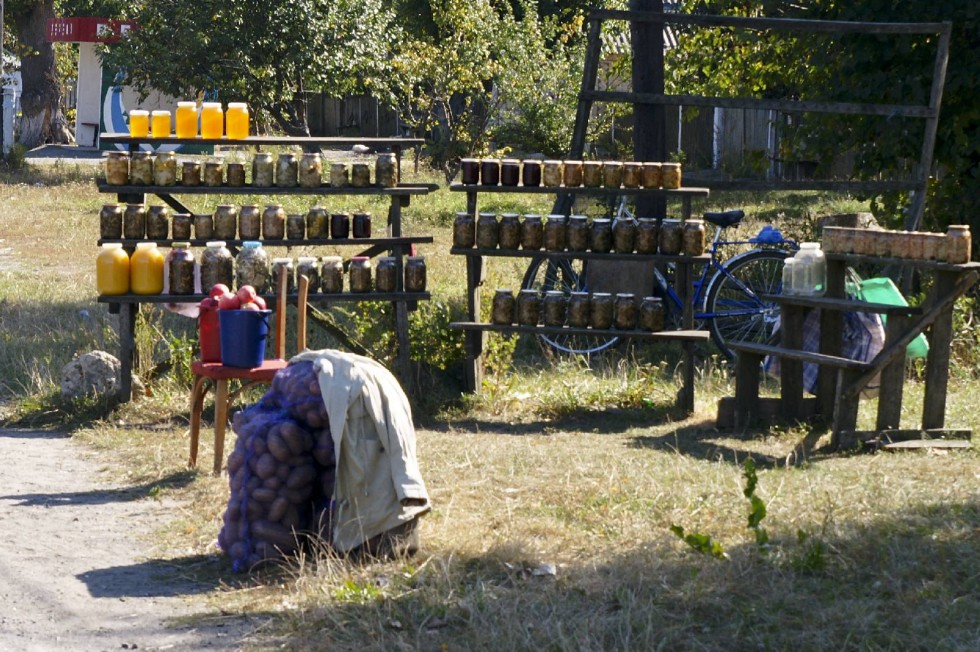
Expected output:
(96, 373)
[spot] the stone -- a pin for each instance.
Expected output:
(96, 373)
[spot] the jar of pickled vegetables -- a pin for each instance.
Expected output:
(509, 231)
(652, 314)
(214, 174)
(360, 175)
(612, 174)
(386, 170)
(464, 230)
(111, 221)
(310, 170)
(572, 173)
(146, 269)
(180, 269)
(236, 175)
(117, 169)
(112, 269)
(510, 172)
(551, 174)
(592, 174)
(360, 274)
(225, 222)
(579, 309)
(157, 222)
(217, 266)
(529, 305)
(186, 120)
(203, 226)
(287, 170)
(531, 174)
(647, 235)
(190, 173)
(469, 170)
(273, 222)
(490, 172)
(602, 310)
(307, 266)
(212, 120)
(624, 235)
(600, 235)
(652, 175)
(632, 174)
(295, 227)
(141, 169)
(236, 120)
(670, 175)
(134, 222)
(578, 233)
(694, 239)
(317, 223)
(386, 274)
(958, 244)
(339, 175)
(532, 233)
(502, 307)
(263, 168)
(487, 231)
(252, 266)
(339, 226)
(625, 312)
(332, 275)
(181, 226)
(249, 222)
(556, 233)
(671, 237)
(555, 306)
(415, 274)
(361, 225)
(165, 169)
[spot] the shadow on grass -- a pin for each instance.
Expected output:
(176, 480)
(160, 578)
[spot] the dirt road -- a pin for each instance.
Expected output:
(76, 569)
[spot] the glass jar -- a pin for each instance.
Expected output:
(556, 233)
(624, 235)
(157, 222)
(531, 174)
(787, 276)
(612, 174)
(551, 174)
(600, 235)
(190, 173)
(111, 221)
(339, 175)
(502, 307)
(529, 307)
(577, 233)
(932, 245)
(165, 169)
(647, 235)
(186, 120)
(625, 312)
(332, 275)
(139, 123)
(287, 170)
(490, 172)
(180, 269)
(360, 274)
(464, 230)
(809, 270)
(214, 174)
(134, 222)
(236, 175)
(652, 314)
(386, 274)
(360, 175)
(307, 266)
(225, 221)
(510, 172)
(236, 120)
(632, 174)
(295, 227)
(249, 222)
(212, 120)
(694, 239)
(555, 308)
(469, 171)
(317, 223)
(283, 267)
(532, 233)
(592, 174)
(146, 269)
(509, 231)
(263, 170)
(415, 274)
(487, 231)
(273, 222)
(180, 226)
(670, 176)
(361, 225)
(117, 169)
(958, 244)
(310, 172)
(571, 174)
(141, 169)
(217, 266)
(386, 170)
(112, 269)
(652, 175)
(579, 309)
(340, 226)
(671, 237)
(601, 306)
(203, 226)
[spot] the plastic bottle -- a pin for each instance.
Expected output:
(139, 123)
(160, 124)
(212, 120)
(236, 118)
(810, 270)
(788, 270)
(112, 269)
(186, 120)
(146, 269)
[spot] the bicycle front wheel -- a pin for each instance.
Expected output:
(734, 307)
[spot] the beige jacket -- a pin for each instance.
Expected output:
(379, 485)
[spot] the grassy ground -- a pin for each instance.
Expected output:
(555, 488)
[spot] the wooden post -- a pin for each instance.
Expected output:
(892, 378)
(127, 349)
(937, 362)
(791, 371)
(649, 120)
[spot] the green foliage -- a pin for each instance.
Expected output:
(431, 338)
(758, 508)
(703, 543)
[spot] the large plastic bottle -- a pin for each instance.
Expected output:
(236, 120)
(212, 120)
(146, 269)
(112, 269)
(810, 270)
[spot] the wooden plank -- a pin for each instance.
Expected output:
(325, 142)
(475, 275)
(603, 191)
(564, 255)
(843, 305)
(791, 367)
(748, 367)
(831, 339)
(925, 444)
(383, 243)
(892, 379)
(682, 335)
(845, 410)
(798, 354)
(649, 120)
(318, 297)
(127, 349)
(938, 358)
(803, 184)
(932, 265)
(404, 190)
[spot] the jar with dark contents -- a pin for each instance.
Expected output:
(165, 169)
(273, 222)
(117, 169)
(141, 169)
(624, 235)
(310, 170)
(578, 233)
(510, 172)
(592, 174)
(217, 266)
(556, 233)
(490, 172)
(157, 222)
(487, 231)
(694, 238)
(529, 304)
(601, 313)
(555, 308)
(180, 268)
(287, 170)
(111, 221)
(532, 233)
(360, 175)
(670, 175)
(502, 307)
(572, 173)
(469, 171)
(317, 223)
(332, 275)
(464, 230)
(307, 266)
(360, 274)
(386, 274)
(339, 175)
(647, 235)
(551, 174)
(632, 174)
(252, 266)
(386, 170)
(180, 226)
(958, 244)
(531, 175)
(625, 312)
(361, 225)
(671, 237)
(652, 314)
(203, 226)
(579, 309)
(612, 174)
(190, 173)
(600, 235)
(134, 222)
(340, 226)
(225, 221)
(296, 227)
(509, 231)
(652, 174)
(263, 170)
(283, 267)
(236, 175)
(415, 274)
(214, 174)
(249, 222)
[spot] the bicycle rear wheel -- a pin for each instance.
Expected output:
(734, 308)
(567, 275)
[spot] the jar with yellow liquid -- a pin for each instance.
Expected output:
(112, 269)
(186, 120)
(212, 120)
(139, 123)
(160, 125)
(146, 269)
(236, 120)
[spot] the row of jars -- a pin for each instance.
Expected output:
(228, 222)
(570, 174)
(952, 247)
(511, 231)
(143, 123)
(288, 171)
(597, 310)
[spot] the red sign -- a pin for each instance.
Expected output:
(88, 30)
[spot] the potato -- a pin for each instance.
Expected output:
(252, 483)
(278, 509)
(266, 466)
(324, 456)
(298, 496)
(237, 478)
(272, 483)
(282, 472)
(263, 495)
(277, 535)
(278, 447)
(260, 446)
(255, 510)
(301, 476)
(238, 550)
(235, 461)
(313, 418)
(291, 434)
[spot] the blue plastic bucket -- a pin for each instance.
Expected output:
(243, 335)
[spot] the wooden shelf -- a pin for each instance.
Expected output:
(695, 336)
(583, 190)
(270, 299)
(842, 305)
(592, 255)
(326, 142)
(319, 242)
(389, 191)
(856, 259)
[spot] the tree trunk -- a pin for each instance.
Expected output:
(42, 120)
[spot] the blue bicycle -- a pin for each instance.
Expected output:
(728, 296)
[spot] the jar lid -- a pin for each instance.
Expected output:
(139, 112)
(211, 105)
(252, 244)
(532, 216)
(572, 162)
(653, 300)
(625, 295)
(504, 291)
(601, 220)
(509, 216)
(183, 245)
(652, 164)
(359, 259)
(187, 104)
(341, 214)
(510, 161)
(554, 294)
(390, 260)
(167, 154)
(601, 295)
(237, 105)
(493, 215)
(214, 244)
(112, 245)
(362, 214)
(556, 217)
(161, 112)
(282, 261)
(529, 292)
(332, 259)
(612, 163)
(306, 259)
(579, 218)
(579, 294)
(416, 259)
(146, 245)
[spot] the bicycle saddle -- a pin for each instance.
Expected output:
(725, 218)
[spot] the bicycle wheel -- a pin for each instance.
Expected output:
(734, 309)
(567, 275)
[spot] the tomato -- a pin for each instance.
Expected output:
(229, 301)
(218, 289)
(251, 306)
(247, 294)
(260, 302)
(208, 302)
